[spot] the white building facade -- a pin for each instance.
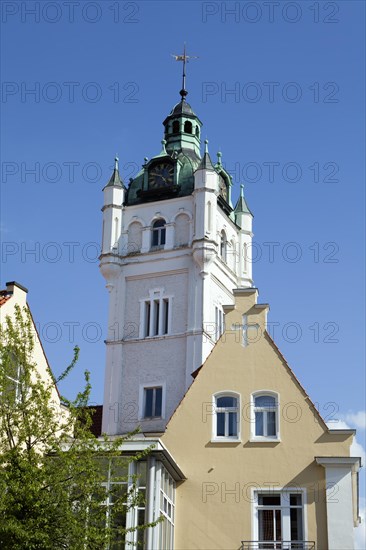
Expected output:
(173, 250)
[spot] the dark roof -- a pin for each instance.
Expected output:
(115, 179)
(205, 163)
(182, 108)
(241, 205)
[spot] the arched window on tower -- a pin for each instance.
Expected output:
(223, 246)
(158, 234)
(188, 127)
(175, 126)
(197, 131)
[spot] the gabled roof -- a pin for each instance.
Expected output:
(291, 373)
(4, 297)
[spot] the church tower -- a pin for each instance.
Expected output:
(173, 250)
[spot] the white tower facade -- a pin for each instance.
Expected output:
(173, 251)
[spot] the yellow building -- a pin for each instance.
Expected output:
(259, 461)
(16, 295)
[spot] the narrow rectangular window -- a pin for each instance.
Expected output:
(259, 425)
(147, 318)
(153, 398)
(149, 398)
(219, 322)
(162, 236)
(158, 401)
(156, 317)
(271, 423)
(167, 511)
(216, 323)
(166, 316)
(155, 238)
(221, 326)
(220, 424)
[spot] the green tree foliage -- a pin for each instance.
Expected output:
(54, 474)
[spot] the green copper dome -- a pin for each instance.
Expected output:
(170, 173)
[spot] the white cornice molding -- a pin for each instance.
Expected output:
(353, 462)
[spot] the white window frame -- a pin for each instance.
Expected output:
(165, 499)
(159, 231)
(264, 438)
(155, 495)
(285, 505)
(159, 492)
(150, 385)
(132, 512)
(226, 438)
(156, 301)
(17, 381)
(219, 322)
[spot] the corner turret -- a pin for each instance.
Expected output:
(244, 219)
(112, 211)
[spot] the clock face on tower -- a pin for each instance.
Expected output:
(161, 175)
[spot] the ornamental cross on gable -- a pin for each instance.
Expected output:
(250, 332)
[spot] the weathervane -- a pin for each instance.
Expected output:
(185, 58)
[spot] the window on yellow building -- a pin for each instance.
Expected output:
(12, 383)
(226, 418)
(265, 421)
(279, 517)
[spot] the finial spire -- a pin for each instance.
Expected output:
(219, 155)
(206, 145)
(115, 179)
(185, 58)
(242, 190)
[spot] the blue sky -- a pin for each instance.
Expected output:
(279, 88)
